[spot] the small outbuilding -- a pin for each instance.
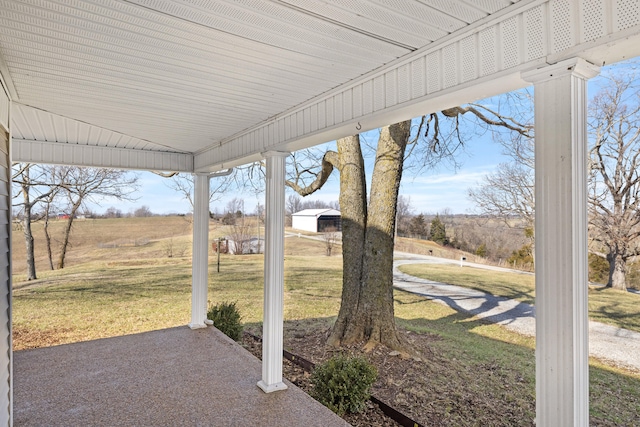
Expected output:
(249, 245)
(317, 220)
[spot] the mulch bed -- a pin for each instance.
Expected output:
(429, 389)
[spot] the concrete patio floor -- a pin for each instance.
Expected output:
(170, 377)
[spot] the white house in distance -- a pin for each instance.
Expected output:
(251, 245)
(316, 220)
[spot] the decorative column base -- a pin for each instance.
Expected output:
(272, 387)
(197, 325)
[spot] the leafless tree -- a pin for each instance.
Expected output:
(293, 204)
(614, 205)
(615, 173)
(183, 184)
(112, 212)
(330, 237)
(239, 240)
(34, 185)
(507, 193)
(80, 185)
(368, 224)
(50, 209)
(142, 211)
(235, 206)
(404, 213)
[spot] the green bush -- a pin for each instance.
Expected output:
(226, 318)
(598, 269)
(343, 384)
(482, 250)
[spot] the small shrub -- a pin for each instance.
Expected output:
(226, 318)
(482, 251)
(343, 384)
(598, 269)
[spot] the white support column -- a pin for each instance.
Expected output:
(273, 274)
(200, 255)
(562, 351)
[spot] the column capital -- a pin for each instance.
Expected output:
(577, 67)
(273, 153)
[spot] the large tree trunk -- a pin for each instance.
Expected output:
(617, 270)
(353, 212)
(371, 318)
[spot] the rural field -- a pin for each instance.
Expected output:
(131, 275)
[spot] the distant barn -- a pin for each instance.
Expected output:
(316, 220)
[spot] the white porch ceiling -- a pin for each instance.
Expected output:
(212, 83)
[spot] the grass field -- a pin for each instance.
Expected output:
(127, 289)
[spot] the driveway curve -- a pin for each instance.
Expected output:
(618, 346)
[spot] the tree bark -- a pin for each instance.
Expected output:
(26, 227)
(47, 239)
(366, 309)
(366, 312)
(67, 235)
(353, 212)
(28, 239)
(617, 271)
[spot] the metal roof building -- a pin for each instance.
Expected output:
(316, 220)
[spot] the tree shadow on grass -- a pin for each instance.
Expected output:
(492, 309)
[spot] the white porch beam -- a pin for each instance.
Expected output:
(200, 265)
(562, 351)
(273, 274)
(56, 153)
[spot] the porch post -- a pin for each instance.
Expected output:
(562, 324)
(273, 274)
(200, 264)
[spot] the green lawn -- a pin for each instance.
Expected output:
(606, 305)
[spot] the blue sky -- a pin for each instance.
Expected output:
(430, 191)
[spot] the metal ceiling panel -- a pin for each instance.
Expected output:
(37, 125)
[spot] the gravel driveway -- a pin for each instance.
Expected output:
(615, 345)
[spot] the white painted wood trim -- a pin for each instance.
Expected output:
(200, 254)
(6, 303)
(101, 157)
(6, 341)
(273, 274)
(5, 103)
(562, 350)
